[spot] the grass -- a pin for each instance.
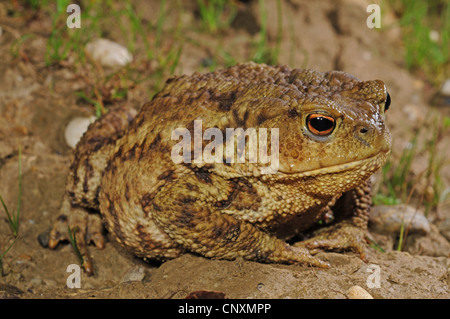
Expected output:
(216, 14)
(148, 39)
(264, 53)
(13, 218)
(396, 176)
(3, 254)
(73, 242)
(426, 35)
(400, 185)
(375, 245)
(401, 237)
(159, 43)
(425, 188)
(137, 29)
(57, 46)
(15, 49)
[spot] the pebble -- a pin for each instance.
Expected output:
(357, 292)
(109, 53)
(445, 88)
(444, 228)
(442, 98)
(76, 128)
(389, 219)
(134, 274)
(43, 239)
(35, 282)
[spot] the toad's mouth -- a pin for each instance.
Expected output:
(364, 167)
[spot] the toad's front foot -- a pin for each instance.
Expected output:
(341, 236)
(86, 227)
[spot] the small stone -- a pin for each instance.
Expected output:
(389, 219)
(445, 88)
(444, 228)
(109, 53)
(434, 36)
(36, 282)
(43, 239)
(76, 128)
(134, 274)
(50, 282)
(357, 292)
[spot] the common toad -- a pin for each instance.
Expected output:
(331, 137)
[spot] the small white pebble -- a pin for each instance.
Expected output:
(109, 53)
(434, 35)
(445, 89)
(76, 128)
(356, 292)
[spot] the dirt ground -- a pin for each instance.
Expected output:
(37, 102)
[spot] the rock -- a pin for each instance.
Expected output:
(434, 244)
(36, 282)
(389, 219)
(444, 228)
(134, 274)
(43, 239)
(109, 53)
(76, 128)
(445, 88)
(442, 98)
(357, 292)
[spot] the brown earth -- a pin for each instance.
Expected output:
(36, 103)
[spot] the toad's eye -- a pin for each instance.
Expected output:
(387, 102)
(320, 124)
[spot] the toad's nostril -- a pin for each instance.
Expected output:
(361, 134)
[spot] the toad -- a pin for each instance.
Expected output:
(331, 137)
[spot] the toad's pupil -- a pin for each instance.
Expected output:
(387, 103)
(321, 124)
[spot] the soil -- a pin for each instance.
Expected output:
(37, 101)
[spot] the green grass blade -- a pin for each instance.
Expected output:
(400, 240)
(17, 216)
(7, 249)
(73, 241)
(11, 223)
(3, 256)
